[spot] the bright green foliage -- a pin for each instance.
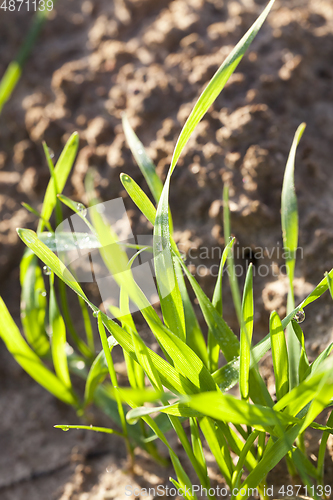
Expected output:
(191, 374)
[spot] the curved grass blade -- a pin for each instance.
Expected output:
(29, 361)
(279, 355)
(97, 373)
(303, 360)
(217, 83)
(33, 304)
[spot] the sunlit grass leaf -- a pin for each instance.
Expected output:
(213, 347)
(303, 360)
(246, 334)
(106, 430)
(97, 373)
(194, 336)
(218, 447)
(233, 280)
(145, 164)
(279, 355)
(58, 332)
(33, 304)
(139, 197)
(171, 378)
(226, 339)
(61, 173)
(197, 446)
(224, 407)
(271, 458)
(28, 360)
(289, 222)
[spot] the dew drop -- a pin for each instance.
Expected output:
(51, 152)
(300, 316)
(82, 209)
(140, 151)
(46, 270)
(65, 428)
(95, 314)
(43, 293)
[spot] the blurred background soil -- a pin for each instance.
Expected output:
(152, 58)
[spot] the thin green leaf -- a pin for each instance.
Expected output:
(233, 280)
(61, 173)
(58, 332)
(289, 222)
(33, 304)
(246, 334)
(139, 197)
(145, 164)
(97, 373)
(279, 355)
(303, 360)
(212, 345)
(65, 427)
(28, 360)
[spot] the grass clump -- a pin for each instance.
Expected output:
(186, 383)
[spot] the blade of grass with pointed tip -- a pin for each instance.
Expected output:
(234, 286)
(194, 336)
(289, 222)
(279, 356)
(58, 332)
(213, 347)
(139, 197)
(28, 360)
(145, 164)
(97, 373)
(303, 360)
(227, 340)
(61, 172)
(246, 334)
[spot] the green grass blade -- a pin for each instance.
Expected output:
(139, 197)
(271, 458)
(303, 360)
(65, 427)
(28, 360)
(58, 332)
(97, 373)
(213, 347)
(217, 83)
(197, 447)
(61, 173)
(33, 304)
(246, 334)
(37, 214)
(87, 325)
(289, 222)
(194, 336)
(145, 164)
(234, 286)
(218, 447)
(13, 72)
(226, 339)
(279, 355)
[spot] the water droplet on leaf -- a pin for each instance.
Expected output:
(65, 428)
(51, 152)
(300, 316)
(95, 314)
(47, 271)
(82, 209)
